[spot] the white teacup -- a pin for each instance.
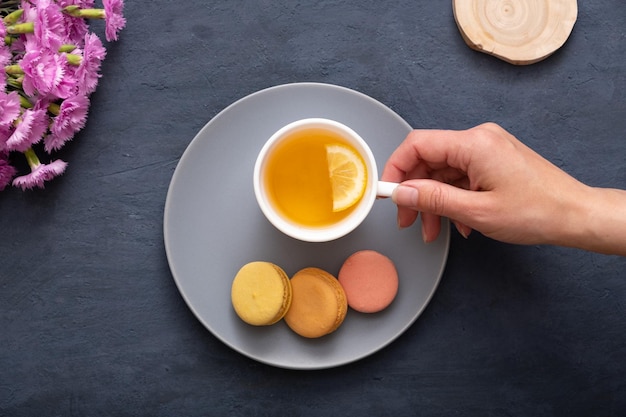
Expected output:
(326, 232)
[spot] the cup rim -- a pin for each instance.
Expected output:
(322, 233)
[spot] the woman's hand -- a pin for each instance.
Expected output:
(486, 179)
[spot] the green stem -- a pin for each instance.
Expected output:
(54, 108)
(13, 17)
(67, 48)
(93, 14)
(15, 82)
(14, 69)
(31, 157)
(72, 10)
(25, 103)
(19, 28)
(73, 59)
(76, 11)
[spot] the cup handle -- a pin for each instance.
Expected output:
(384, 189)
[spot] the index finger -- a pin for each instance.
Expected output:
(425, 150)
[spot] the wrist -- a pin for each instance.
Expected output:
(598, 221)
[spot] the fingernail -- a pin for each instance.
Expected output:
(460, 229)
(405, 196)
(424, 236)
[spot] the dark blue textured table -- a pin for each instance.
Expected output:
(92, 324)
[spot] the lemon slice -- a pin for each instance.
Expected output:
(347, 176)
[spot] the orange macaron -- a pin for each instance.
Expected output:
(370, 281)
(261, 293)
(318, 305)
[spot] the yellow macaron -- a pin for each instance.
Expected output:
(261, 293)
(319, 304)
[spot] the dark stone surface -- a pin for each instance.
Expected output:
(92, 323)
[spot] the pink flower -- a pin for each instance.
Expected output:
(7, 172)
(45, 73)
(5, 55)
(17, 48)
(30, 129)
(71, 118)
(5, 134)
(9, 107)
(39, 174)
(114, 19)
(51, 64)
(49, 28)
(84, 4)
(76, 28)
(5, 59)
(87, 73)
(30, 11)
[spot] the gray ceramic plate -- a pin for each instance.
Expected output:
(213, 226)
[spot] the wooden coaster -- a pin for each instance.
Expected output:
(521, 32)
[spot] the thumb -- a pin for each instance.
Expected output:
(434, 197)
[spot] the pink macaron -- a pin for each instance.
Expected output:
(370, 281)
